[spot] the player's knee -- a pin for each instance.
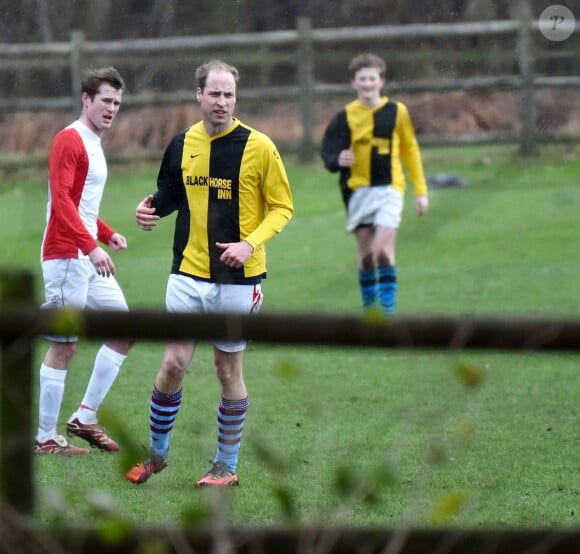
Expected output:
(122, 346)
(173, 368)
(367, 263)
(228, 375)
(70, 349)
(61, 353)
(384, 258)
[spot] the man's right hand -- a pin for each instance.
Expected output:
(102, 262)
(346, 158)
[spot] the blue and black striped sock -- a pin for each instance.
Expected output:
(231, 417)
(164, 409)
(368, 287)
(388, 288)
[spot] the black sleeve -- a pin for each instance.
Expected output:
(170, 188)
(336, 138)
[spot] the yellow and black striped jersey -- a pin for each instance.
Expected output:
(226, 188)
(381, 138)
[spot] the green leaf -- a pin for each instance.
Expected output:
(68, 322)
(469, 374)
(447, 507)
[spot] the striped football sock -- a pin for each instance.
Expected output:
(164, 408)
(231, 416)
(388, 288)
(368, 287)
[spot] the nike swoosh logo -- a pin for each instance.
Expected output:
(194, 156)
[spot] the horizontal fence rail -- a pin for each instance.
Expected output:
(291, 93)
(311, 540)
(441, 332)
(152, 46)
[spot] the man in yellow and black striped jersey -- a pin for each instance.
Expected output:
(229, 187)
(368, 142)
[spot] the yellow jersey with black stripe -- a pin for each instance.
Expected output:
(382, 139)
(226, 188)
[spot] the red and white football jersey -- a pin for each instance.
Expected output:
(77, 175)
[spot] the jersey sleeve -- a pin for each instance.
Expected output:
(170, 191)
(104, 231)
(336, 138)
(277, 197)
(67, 155)
(410, 152)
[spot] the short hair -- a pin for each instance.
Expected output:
(202, 71)
(362, 61)
(95, 77)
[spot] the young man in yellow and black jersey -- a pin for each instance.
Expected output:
(229, 187)
(368, 142)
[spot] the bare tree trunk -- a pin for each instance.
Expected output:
(43, 19)
(160, 21)
(163, 12)
(99, 17)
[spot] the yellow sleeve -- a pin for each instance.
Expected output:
(277, 197)
(409, 151)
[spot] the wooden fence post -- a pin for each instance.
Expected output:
(525, 62)
(265, 66)
(306, 85)
(77, 40)
(16, 437)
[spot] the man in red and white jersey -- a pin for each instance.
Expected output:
(77, 271)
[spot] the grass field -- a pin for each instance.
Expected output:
(366, 437)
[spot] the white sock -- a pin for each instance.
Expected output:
(51, 393)
(105, 370)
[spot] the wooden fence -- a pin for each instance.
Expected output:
(300, 52)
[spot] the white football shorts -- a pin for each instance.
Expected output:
(380, 206)
(75, 283)
(185, 294)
